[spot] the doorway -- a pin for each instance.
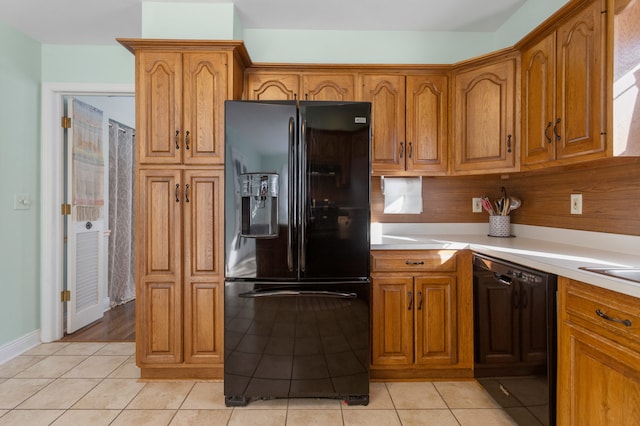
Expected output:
(53, 196)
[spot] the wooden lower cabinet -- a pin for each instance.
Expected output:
(421, 314)
(598, 359)
(179, 302)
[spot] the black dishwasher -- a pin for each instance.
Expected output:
(515, 338)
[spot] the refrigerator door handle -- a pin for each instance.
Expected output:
(292, 194)
(303, 196)
(281, 293)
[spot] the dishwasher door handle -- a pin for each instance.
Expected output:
(502, 279)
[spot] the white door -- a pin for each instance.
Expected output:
(85, 223)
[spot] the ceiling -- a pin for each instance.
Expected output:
(99, 22)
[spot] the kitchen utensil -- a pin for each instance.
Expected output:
(515, 203)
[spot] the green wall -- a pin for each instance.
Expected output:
(25, 63)
(20, 67)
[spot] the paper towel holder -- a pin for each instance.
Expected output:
(382, 181)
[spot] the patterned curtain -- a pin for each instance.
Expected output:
(121, 214)
(88, 162)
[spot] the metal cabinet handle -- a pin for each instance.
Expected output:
(601, 314)
(509, 143)
(410, 150)
(177, 193)
(555, 129)
(419, 300)
(414, 262)
(186, 140)
(546, 132)
(177, 139)
(401, 149)
(410, 301)
(186, 193)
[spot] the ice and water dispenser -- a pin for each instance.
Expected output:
(259, 205)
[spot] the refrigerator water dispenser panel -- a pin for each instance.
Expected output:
(259, 205)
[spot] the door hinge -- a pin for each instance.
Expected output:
(66, 122)
(66, 209)
(65, 296)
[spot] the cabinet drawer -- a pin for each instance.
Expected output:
(402, 260)
(607, 311)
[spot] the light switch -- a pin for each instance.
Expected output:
(21, 202)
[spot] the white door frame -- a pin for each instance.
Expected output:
(52, 196)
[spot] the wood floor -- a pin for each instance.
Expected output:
(117, 325)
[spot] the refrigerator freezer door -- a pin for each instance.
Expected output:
(260, 149)
(334, 191)
(296, 341)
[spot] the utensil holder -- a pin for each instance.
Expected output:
(499, 226)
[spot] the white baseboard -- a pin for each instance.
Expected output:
(19, 346)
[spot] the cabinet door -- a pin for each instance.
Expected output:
(205, 90)
(262, 86)
(392, 325)
(387, 96)
(435, 320)
(328, 87)
(485, 113)
(426, 123)
(203, 266)
(598, 381)
(581, 84)
(538, 102)
(158, 107)
(158, 253)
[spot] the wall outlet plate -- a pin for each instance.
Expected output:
(476, 206)
(576, 203)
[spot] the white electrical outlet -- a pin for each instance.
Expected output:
(476, 206)
(576, 203)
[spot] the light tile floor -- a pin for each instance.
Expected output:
(65, 383)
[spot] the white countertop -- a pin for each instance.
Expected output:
(558, 251)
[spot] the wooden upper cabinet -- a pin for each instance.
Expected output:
(158, 106)
(205, 89)
(484, 117)
(270, 86)
(328, 87)
(409, 122)
(427, 105)
(289, 86)
(181, 107)
(538, 101)
(581, 82)
(563, 92)
(387, 96)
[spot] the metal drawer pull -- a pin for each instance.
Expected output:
(608, 318)
(419, 300)
(177, 139)
(413, 262)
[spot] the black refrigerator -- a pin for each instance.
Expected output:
(297, 223)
